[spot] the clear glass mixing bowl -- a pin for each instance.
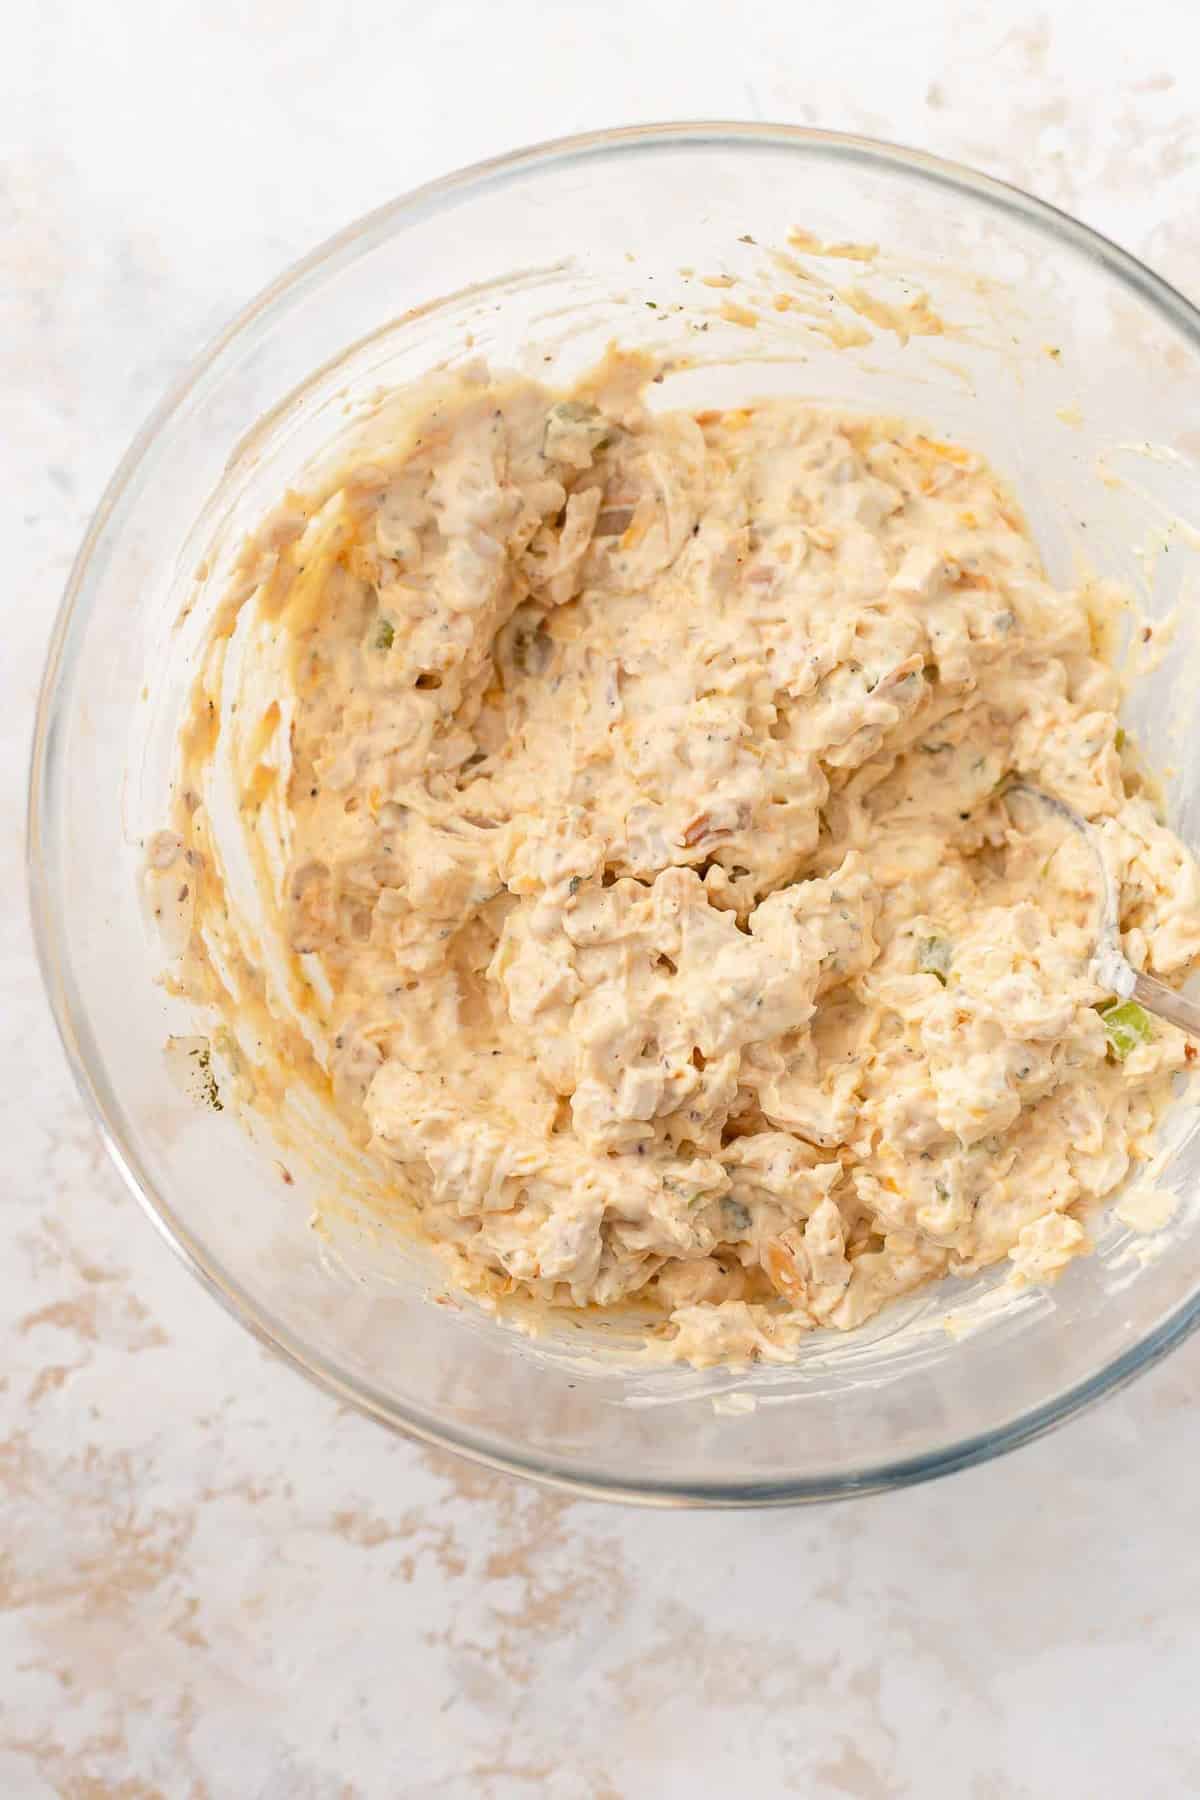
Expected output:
(1069, 364)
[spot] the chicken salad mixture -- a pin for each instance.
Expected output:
(661, 912)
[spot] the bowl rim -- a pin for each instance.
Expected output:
(563, 1473)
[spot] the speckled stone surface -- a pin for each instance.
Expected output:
(232, 1587)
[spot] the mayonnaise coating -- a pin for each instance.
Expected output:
(660, 913)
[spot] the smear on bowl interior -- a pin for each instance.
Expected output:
(624, 800)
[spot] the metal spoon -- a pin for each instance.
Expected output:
(1110, 968)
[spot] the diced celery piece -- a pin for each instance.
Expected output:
(1126, 1025)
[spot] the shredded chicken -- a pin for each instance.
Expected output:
(656, 897)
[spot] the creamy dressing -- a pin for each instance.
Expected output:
(655, 905)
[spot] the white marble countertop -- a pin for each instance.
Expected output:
(234, 1588)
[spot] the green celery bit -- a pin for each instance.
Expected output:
(384, 634)
(933, 957)
(1126, 1025)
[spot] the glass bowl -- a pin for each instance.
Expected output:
(1059, 356)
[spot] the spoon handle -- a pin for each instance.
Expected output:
(1158, 998)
